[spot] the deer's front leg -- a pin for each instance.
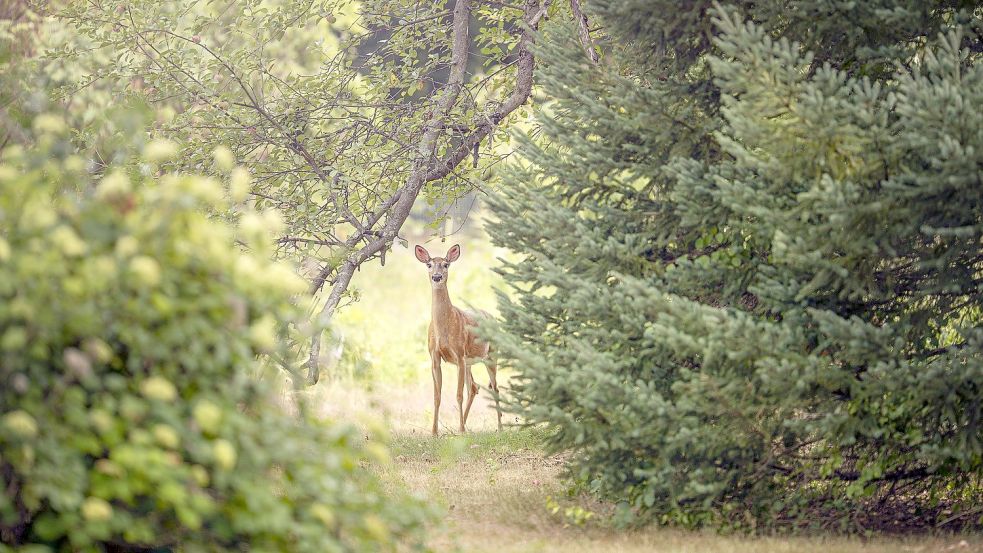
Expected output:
(435, 368)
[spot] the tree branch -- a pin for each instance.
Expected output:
(521, 92)
(583, 30)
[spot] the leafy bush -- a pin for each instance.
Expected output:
(130, 412)
(750, 285)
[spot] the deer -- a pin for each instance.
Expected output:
(451, 338)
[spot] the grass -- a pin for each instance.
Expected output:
(499, 491)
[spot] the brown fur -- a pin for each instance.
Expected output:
(451, 338)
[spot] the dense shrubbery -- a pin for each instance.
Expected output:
(130, 325)
(751, 288)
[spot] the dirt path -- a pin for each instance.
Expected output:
(502, 494)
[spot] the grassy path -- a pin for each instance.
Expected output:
(494, 487)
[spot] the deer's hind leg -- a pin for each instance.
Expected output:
(472, 390)
(462, 370)
(492, 367)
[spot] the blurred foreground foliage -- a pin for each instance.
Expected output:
(751, 281)
(134, 338)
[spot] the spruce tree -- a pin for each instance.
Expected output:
(748, 289)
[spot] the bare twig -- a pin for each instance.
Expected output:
(583, 30)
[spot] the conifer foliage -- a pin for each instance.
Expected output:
(749, 282)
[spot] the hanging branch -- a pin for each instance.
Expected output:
(584, 31)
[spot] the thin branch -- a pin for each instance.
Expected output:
(297, 239)
(583, 29)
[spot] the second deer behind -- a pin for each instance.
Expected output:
(451, 338)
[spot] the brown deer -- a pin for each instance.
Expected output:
(451, 338)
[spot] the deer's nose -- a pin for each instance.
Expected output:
(437, 278)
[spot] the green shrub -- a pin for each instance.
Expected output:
(130, 329)
(749, 292)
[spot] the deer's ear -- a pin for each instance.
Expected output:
(453, 253)
(421, 254)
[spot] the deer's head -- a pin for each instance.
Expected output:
(437, 267)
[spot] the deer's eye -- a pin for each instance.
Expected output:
(446, 265)
(429, 266)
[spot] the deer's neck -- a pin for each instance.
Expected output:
(441, 311)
